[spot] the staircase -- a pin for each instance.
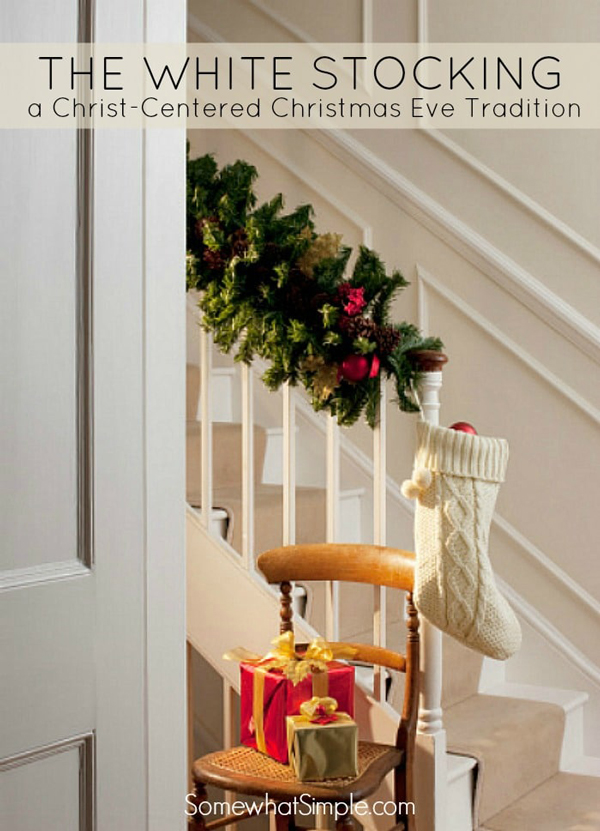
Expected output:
(516, 757)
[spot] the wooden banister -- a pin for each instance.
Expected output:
(429, 360)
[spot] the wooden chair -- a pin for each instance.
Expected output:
(245, 771)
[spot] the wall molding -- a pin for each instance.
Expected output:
(84, 745)
(550, 633)
(425, 279)
(534, 208)
(44, 573)
(279, 20)
(520, 197)
(561, 576)
(422, 22)
(505, 272)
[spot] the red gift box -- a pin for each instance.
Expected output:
(268, 696)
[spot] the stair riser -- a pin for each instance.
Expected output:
(227, 458)
(459, 803)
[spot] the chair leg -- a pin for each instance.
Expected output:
(283, 822)
(197, 821)
(345, 823)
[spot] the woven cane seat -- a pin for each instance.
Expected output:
(245, 770)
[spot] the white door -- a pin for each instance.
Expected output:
(92, 630)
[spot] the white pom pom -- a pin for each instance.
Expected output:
(422, 477)
(410, 490)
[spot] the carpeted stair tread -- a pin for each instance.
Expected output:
(516, 742)
(227, 457)
(565, 802)
(268, 515)
(460, 672)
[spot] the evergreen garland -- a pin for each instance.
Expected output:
(271, 286)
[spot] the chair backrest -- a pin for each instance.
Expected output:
(372, 564)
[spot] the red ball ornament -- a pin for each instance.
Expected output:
(464, 427)
(354, 368)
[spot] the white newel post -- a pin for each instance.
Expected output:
(430, 759)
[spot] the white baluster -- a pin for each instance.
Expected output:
(206, 443)
(379, 535)
(430, 762)
(289, 467)
(332, 608)
(247, 466)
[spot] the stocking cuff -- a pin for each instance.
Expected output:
(461, 454)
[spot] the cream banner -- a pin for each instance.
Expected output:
(275, 86)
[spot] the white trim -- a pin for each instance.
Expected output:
(547, 564)
(425, 278)
(422, 22)
(530, 205)
(538, 211)
(280, 20)
(550, 633)
(199, 28)
(504, 271)
(164, 397)
(45, 573)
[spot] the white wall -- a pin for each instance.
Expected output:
(502, 229)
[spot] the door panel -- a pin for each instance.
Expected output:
(62, 774)
(40, 348)
(92, 628)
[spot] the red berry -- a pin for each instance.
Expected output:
(464, 427)
(375, 364)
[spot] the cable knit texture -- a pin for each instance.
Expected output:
(455, 587)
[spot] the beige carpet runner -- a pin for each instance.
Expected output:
(565, 802)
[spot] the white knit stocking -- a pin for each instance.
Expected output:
(455, 482)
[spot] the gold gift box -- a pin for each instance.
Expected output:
(323, 751)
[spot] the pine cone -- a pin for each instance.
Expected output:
(358, 327)
(213, 259)
(387, 339)
(239, 242)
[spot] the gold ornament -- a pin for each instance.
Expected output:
(325, 381)
(325, 247)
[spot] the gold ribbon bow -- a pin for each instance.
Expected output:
(295, 665)
(319, 709)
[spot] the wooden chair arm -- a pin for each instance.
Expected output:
(369, 654)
